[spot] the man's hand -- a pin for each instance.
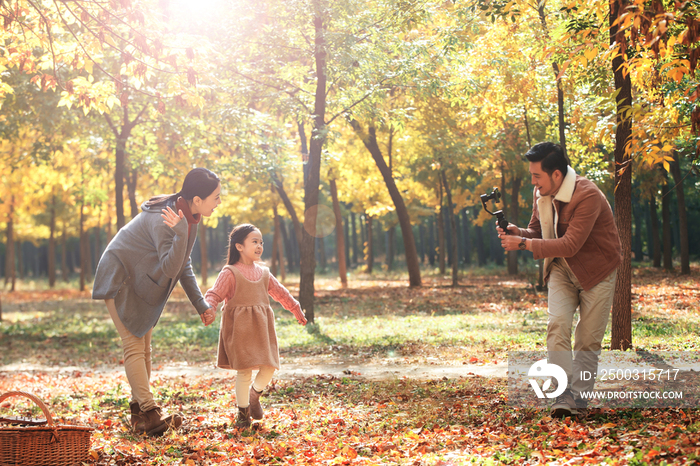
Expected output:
(208, 316)
(511, 241)
(513, 229)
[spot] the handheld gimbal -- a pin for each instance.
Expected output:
(500, 216)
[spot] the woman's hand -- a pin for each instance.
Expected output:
(208, 316)
(171, 218)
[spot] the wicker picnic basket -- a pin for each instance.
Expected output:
(41, 445)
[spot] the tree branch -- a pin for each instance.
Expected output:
(111, 124)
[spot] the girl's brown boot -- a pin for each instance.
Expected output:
(256, 411)
(243, 419)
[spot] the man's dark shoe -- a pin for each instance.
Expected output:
(564, 405)
(156, 422)
(243, 419)
(256, 411)
(138, 423)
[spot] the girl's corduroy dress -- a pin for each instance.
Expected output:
(247, 338)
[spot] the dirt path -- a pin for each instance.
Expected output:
(388, 370)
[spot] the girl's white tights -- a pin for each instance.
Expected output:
(243, 379)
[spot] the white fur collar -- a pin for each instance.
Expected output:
(566, 190)
(548, 214)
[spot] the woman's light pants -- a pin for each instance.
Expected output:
(137, 361)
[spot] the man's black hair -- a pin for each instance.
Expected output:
(551, 155)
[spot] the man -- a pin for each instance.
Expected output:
(573, 229)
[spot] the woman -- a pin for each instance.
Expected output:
(137, 273)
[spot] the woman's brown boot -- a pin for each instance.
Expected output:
(243, 419)
(138, 423)
(256, 411)
(157, 422)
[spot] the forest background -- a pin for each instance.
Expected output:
(359, 136)
(349, 132)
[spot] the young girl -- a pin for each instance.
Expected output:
(247, 339)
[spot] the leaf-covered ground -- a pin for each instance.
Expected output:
(350, 419)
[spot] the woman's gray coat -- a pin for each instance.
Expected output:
(141, 266)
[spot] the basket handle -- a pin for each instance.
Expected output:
(36, 400)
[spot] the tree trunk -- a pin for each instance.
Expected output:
(64, 254)
(369, 245)
(318, 138)
(513, 214)
(88, 256)
(638, 214)
(10, 275)
(390, 239)
(277, 247)
(108, 223)
(654, 231)
(52, 244)
(131, 182)
(119, 155)
(421, 237)
(98, 247)
(275, 235)
(81, 236)
(339, 235)
(346, 237)
(479, 239)
(560, 87)
(453, 229)
(122, 136)
(682, 216)
(370, 141)
(304, 151)
(448, 235)
(203, 252)
(466, 237)
(355, 252)
(666, 225)
(278, 184)
(440, 220)
(291, 263)
(621, 337)
(321, 244)
(20, 259)
(431, 241)
(280, 254)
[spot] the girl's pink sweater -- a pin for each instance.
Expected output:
(225, 287)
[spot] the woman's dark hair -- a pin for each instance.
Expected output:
(238, 236)
(198, 182)
(551, 155)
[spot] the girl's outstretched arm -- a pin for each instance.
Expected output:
(280, 294)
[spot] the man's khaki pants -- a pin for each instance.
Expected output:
(565, 295)
(137, 361)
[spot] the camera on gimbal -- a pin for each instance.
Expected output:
(500, 216)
